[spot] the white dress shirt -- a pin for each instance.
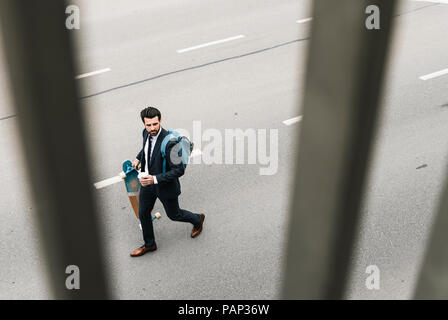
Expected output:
(148, 159)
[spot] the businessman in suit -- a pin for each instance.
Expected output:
(155, 184)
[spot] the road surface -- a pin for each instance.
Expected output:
(232, 65)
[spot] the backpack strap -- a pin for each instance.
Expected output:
(184, 152)
(170, 136)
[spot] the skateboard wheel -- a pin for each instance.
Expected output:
(158, 215)
(122, 175)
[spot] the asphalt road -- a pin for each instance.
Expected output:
(253, 81)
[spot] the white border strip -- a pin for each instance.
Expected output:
(434, 74)
(94, 73)
(433, 1)
(210, 43)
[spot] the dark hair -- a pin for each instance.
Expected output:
(150, 113)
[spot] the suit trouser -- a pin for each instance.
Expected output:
(147, 199)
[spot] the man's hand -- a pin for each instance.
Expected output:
(147, 180)
(135, 163)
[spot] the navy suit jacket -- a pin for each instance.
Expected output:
(168, 185)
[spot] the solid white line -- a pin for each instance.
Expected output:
(85, 75)
(210, 43)
(195, 153)
(434, 74)
(108, 182)
(118, 178)
(292, 120)
(304, 20)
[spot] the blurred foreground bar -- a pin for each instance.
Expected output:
(41, 68)
(341, 104)
(433, 281)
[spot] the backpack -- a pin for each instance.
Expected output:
(183, 143)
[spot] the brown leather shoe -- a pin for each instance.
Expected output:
(197, 230)
(142, 250)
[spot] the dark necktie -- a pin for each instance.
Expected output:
(149, 150)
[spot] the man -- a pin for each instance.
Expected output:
(155, 184)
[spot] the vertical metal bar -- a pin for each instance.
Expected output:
(41, 69)
(345, 69)
(433, 280)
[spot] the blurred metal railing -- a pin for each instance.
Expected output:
(41, 68)
(345, 69)
(433, 278)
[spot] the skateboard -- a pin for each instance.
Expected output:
(132, 184)
(130, 178)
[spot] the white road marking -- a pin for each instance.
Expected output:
(94, 73)
(195, 153)
(118, 178)
(292, 120)
(304, 20)
(211, 43)
(108, 182)
(434, 74)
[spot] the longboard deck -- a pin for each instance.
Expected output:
(132, 185)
